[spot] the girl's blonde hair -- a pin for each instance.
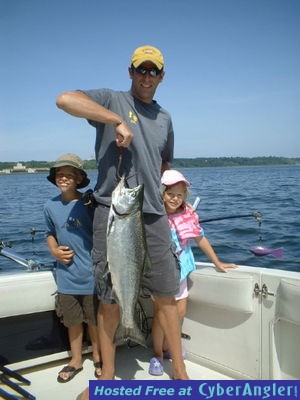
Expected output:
(186, 191)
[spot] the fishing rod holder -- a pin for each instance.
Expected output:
(31, 264)
(263, 291)
(4, 244)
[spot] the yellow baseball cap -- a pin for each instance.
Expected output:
(147, 53)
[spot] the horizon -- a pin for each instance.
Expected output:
(175, 158)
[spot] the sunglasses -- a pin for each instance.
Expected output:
(150, 71)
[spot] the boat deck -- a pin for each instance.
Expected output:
(131, 364)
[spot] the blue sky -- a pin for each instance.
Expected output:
(232, 81)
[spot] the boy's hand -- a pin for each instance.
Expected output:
(63, 254)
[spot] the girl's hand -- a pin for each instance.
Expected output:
(223, 266)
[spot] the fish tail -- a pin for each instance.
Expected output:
(124, 334)
(278, 253)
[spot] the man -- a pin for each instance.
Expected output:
(134, 137)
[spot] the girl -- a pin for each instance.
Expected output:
(184, 225)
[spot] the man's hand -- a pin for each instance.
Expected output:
(124, 135)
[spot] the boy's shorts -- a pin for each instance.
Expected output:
(161, 280)
(76, 309)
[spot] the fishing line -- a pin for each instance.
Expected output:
(142, 320)
(119, 162)
(119, 167)
(260, 239)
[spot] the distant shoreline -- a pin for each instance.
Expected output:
(43, 166)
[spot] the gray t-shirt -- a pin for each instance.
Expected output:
(152, 144)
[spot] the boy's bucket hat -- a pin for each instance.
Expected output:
(71, 160)
(171, 177)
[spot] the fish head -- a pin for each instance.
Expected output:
(127, 200)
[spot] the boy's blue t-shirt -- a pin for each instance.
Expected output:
(71, 223)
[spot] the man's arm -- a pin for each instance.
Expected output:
(80, 105)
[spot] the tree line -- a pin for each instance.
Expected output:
(182, 162)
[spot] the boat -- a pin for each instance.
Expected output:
(240, 325)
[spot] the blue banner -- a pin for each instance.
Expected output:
(194, 390)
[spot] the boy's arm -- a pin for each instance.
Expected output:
(61, 253)
(207, 249)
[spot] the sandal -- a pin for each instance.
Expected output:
(69, 370)
(98, 365)
(156, 366)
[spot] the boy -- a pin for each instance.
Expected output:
(69, 238)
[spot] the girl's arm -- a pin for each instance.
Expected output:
(207, 249)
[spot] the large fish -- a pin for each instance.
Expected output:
(127, 257)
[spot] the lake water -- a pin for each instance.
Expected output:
(274, 191)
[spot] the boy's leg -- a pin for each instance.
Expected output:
(95, 341)
(75, 333)
(108, 319)
(75, 336)
(90, 305)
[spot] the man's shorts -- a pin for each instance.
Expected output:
(76, 309)
(161, 280)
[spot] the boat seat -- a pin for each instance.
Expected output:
(231, 286)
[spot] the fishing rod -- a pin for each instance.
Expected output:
(256, 214)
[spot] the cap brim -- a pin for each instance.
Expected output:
(170, 182)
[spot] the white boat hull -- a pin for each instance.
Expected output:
(237, 329)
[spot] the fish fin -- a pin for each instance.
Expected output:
(278, 253)
(134, 334)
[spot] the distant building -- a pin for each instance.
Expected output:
(19, 167)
